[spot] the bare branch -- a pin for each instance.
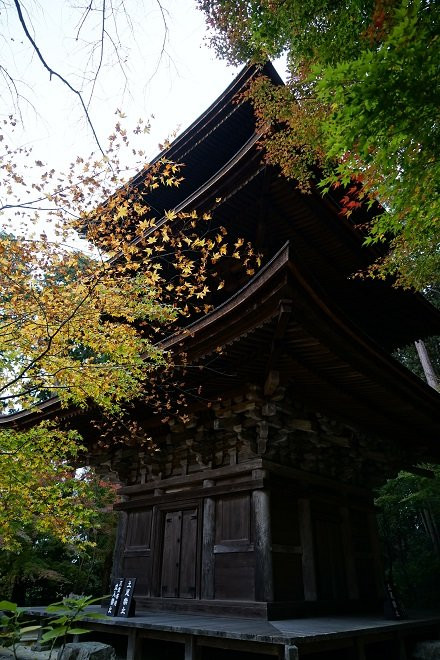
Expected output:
(164, 40)
(54, 73)
(101, 54)
(83, 20)
(12, 85)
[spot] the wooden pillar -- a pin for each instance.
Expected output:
(154, 586)
(208, 540)
(360, 649)
(263, 546)
(133, 646)
(291, 652)
(118, 552)
(401, 646)
(378, 576)
(191, 650)
(308, 549)
(350, 565)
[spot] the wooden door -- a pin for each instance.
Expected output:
(188, 554)
(330, 559)
(179, 554)
(171, 554)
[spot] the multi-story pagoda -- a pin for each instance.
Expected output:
(262, 505)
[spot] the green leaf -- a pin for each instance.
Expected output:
(56, 608)
(8, 606)
(95, 615)
(60, 621)
(78, 631)
(54, 633)
(90, 601)
(27, 629)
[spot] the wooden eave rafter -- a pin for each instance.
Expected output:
(254, 304)
(378, 386)
(215, 115)
(247, 160)
(49, 409)
(257, 304)
(209, 142)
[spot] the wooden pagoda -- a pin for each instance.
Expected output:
(262, 504)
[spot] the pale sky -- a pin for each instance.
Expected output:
(188, 78)
(171, 90)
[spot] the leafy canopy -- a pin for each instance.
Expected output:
(39, 493)
(361, 103)
(409, 525)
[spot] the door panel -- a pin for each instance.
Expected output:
(171, 555)
(139, 529)
(179, 555)
(330, 560)
(233, 519)
(188, 558)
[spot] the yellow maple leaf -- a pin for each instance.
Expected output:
(122, 212)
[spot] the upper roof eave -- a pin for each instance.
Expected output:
(250, 308)
(217, 107)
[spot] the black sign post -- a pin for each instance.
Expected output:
(116, 597)
(127, 604)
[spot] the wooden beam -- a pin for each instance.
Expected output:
(229, 644)
(196, 493)
(196, 477)
(317, 481)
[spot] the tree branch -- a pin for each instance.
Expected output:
(101, 54)
(54, 73)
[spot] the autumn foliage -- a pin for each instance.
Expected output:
(360, 108)
(90, 281)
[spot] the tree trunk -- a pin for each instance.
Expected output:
(429, 371)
